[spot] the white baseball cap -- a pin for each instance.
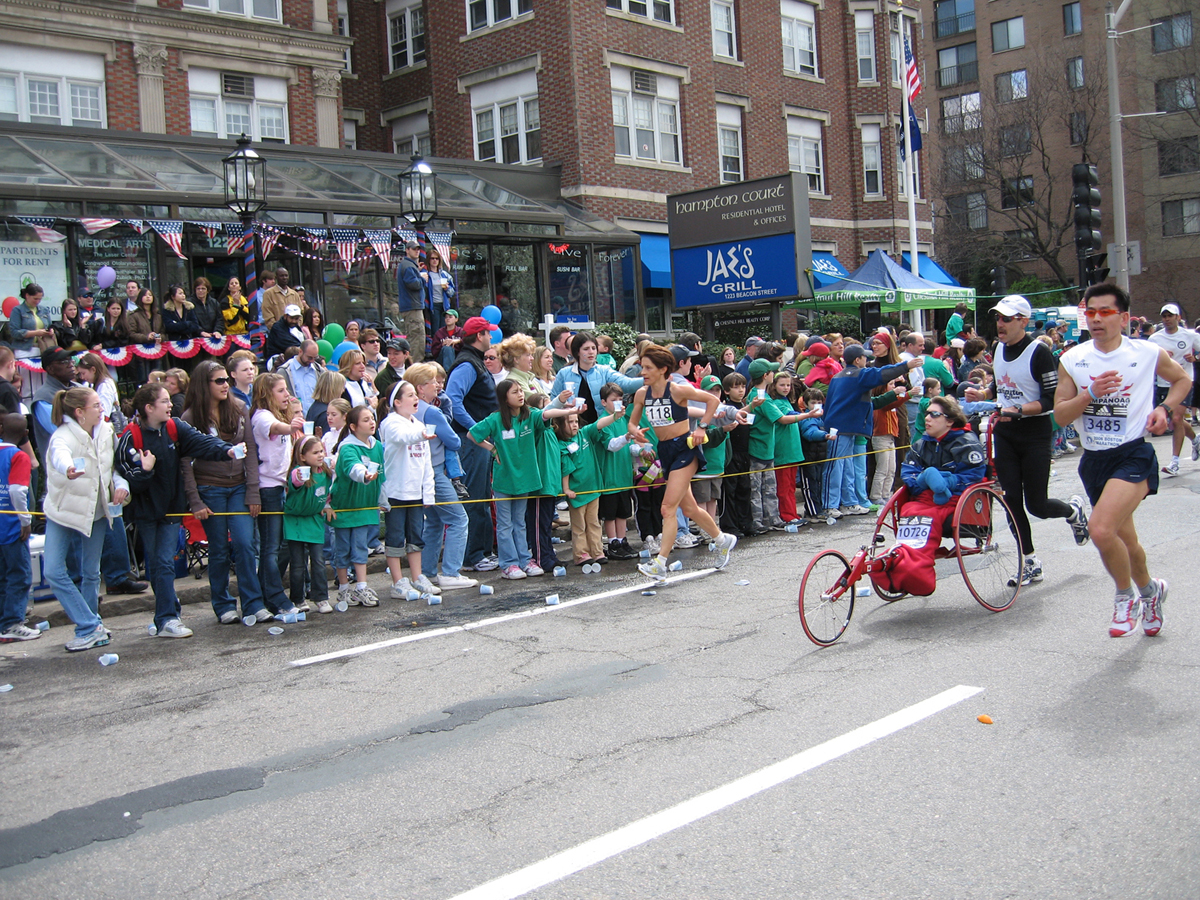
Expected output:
(1014, 305)
(291, 310)
(1169, 308)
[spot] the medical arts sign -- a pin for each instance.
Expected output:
(741, 244)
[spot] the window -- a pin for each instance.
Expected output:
(872, 161)
(406, 36)
(227, 104)
(895, 47)
(486, 13)
(1016, 192)
(1172, 33)
(729, 141)
(1175, 94)
(519, 127)
(1181, 217)
(1008, 35)
(45, 100)
(1015, 140)
(864, 42)
(1075, 73)
(343, 29)
(658, 10)
(957, 65)
(1079, 128)
(953, 17)
(1012, 86)
(1023, 242)
(964, 163)
(916, 171)
(968, 210)
(799, 37)
(961, 113)
(250, 9)
(1072, 19)
(414, 145)
(410, 135)
(805, 153)
(724, 38)
(646, 115)
(1179, 156)
(350, 134)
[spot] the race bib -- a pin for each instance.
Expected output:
(913, 531)
(573, 447)
(1114, 425)
(508, 435)
(319, 492)
(659, 414)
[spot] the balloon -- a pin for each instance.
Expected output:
(334, 333)
(492, 314)
(10, 303)
(105, 277)
(340, 349)
(325, 349)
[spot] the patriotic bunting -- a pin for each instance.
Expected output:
(44, 226)
(269, 237)
(318, 237)
(121, 356)
(441, 240)
(346, 241)
(235, 237)
(212, 229)
(381, 242)
(137, 225)
(91, 226)
(172, 233)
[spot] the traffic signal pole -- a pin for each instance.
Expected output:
(1117, 152)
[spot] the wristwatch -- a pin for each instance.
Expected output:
(1170, 412)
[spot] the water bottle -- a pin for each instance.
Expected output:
(676, 566)
(43, 626)
(560, 571)
(552, 599)
(341, 606)
(108, 659)
(432, 599)
(486, 589)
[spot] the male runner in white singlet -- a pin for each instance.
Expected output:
(1182, 346)
(1107, 387)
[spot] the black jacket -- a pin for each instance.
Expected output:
(180, 327)
(209, 315)
(958, 455)
(279, 338)
(155, 494)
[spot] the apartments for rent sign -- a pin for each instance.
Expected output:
(741, 244)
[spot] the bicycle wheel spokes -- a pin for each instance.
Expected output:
(826, 598)
(989, 555)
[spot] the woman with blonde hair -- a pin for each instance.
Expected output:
(516, 355)
(359, 390)
(543, 369)
(176, 381)
(330, 385)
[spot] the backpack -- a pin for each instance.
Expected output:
(134, 430)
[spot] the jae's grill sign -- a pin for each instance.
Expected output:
(741, 243)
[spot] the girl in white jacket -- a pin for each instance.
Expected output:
(81, 493)
(407, 487)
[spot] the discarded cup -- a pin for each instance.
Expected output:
(432, 599)
(676, 566)
(743, 583)
(792, 527)
(239, 451)
(301, 616)
(274, 629)
(649, 593)
(341, 606)
(486, 589)
(552, 599)
(108, 659)
(152, 629)
(43, 626)
(560, 571)
(644, 554)
(286, 618)
(5, 688)
(862, 592)
(556, 540)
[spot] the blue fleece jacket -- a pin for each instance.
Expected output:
(848, 400)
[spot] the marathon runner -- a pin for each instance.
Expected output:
(1105, 386)
(1182, 346)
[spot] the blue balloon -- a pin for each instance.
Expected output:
(492, 314)
(340, 349)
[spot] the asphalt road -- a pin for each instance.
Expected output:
(690, 744)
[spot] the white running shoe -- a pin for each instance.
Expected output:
(1152, 608)
(173, 628)
(401, 588)
(1171, 470)
(1079, 521)
(1196, 448)
(725, 543)
(455, 582)
(654, 569)
(425, 586)
(833, 513)
(513, 573)
(533, 570)
(22, 632)
(1126, 612)
(685, 541)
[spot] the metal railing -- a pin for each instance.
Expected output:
(946, 26)
(960, 74)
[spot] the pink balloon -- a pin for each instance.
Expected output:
(105, 277)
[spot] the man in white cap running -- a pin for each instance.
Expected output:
(1182, 346)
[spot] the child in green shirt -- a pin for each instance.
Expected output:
(355, 503)
(788, 450)
(933, 388)
(305, 512)
(582, 482)
(617, 460)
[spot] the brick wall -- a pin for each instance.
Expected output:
(121, 90)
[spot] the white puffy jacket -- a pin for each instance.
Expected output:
(407, 465)
(72, 504)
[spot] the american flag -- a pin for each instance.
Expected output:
(346, 240)
(441, 240)
(318, 237)
(268, 238)
(44, 226)
(912, 73)
(91, 225)
(381, 241)
(235, 236)
(212, 229)
(137, 225)
(172, 233)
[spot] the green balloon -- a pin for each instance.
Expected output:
(334, 334)
(325, 349)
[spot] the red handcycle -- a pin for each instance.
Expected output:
(983, 544)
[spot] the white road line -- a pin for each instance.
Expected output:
(496, 620)
(589, 853)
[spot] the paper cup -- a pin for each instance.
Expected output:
(79, 463)
(749, 418)
(239, 451)
(372, 467)
(618, 405)
(305, 472)
(309, 426)
(430, 430)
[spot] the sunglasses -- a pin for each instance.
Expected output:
(1007, 319)
(935, 415)
(219, 381)
(493, 358)
(1101, 313)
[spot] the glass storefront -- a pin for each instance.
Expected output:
(516, 287)
(616, 288)
(129, 253)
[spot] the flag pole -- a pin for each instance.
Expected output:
(910, 193)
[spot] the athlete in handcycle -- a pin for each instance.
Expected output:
(950, 494)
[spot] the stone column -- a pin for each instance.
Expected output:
(150, 59)
(321, 23)
(327, 87)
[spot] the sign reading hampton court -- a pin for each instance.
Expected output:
(741, 243)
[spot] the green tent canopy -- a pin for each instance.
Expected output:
(895, 288)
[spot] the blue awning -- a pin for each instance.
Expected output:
(827, 270)
(656, 261)
(929, 270)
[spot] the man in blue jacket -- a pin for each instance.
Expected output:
(412, 295)
(848, 409)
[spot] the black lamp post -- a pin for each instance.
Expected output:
(418, 193)
(246, 195)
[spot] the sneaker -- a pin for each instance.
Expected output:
(230, 617)
(601, 560)
(455, 582)
(401, 588)
(625, 551)
(172, 628)
(1152, 608)
(1172, 470)
(1126, 612)
(343, 595)
(654, 569)
(324, 606)
(20, 632)
(487, 564)
(303, 607)
(460, 489)
(725, 543)
(264, 615)
(377, 550)
(1079, 520)
(513, 573)
(97, 638)
(832, 514)
(652, 544)
(1196, 448)
(425, 586)
(561, 505)
(855, 510)
(1032, 572)
(533, 570)
(363, 597)
(685, 541)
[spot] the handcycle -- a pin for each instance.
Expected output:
(983, 543)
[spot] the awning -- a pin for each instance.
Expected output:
(656, 261)
(826, 270)
(929, 270)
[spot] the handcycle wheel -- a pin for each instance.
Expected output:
(826, 597)
(988, 550)
(886, 525)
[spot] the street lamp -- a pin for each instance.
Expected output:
(246, 195)
(418, 193)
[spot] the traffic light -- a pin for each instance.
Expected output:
(999, 275)
(1085, 195)
(1097, 270)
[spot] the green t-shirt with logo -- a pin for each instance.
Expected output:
(762, 432)
(579, 461)
(516, 472)
(788, 451)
